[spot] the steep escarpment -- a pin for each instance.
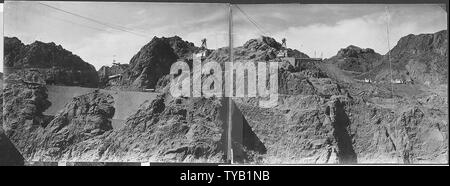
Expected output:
(183, 49)
(411, 132)
(9, 155)
(342, 129)
(170, 130)
(149, 67)
(320, 118)
(85, 118)
(40, 137)
(152, 62)
(421, 59)
(300, 128)
(263, 49)
(176, 130)
(23, 109)
(303, 129)
(165, 129)
(53, 62)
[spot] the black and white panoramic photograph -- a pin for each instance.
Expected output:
(357, 83)
(143, 83)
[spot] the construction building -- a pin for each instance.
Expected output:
(296, 62)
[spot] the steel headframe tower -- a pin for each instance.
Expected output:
(284, 47)
(204, 47)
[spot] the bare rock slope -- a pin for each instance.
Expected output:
(356, 59)
(318, 119)
(152, 62)
(55, 64)
(9, 155)
(421, 59)
(328, 120)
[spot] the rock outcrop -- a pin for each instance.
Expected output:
(170, 130)
(9, 155)
(83, 119)
(356, 59)
(23, 108)
(421, 59)
(183, 49)
(263, 49)
(166, 129)
(46, 138)
(152, 62)
(178, 130)
(319, 118)
(53, 62)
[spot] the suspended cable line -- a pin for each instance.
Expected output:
(389, 49)
(78, 24)
(252, 21)
(120, 28)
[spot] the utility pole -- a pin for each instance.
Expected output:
(230, 101)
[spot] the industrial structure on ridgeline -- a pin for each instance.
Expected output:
(296, 62)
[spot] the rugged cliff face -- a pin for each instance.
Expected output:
(151, 63)
(335, 119)
(180, 130)
(46, 138)
(54, 63)
(342, 129)
(183, 49)
(170, 130)
(263, 49)
(165, 129)
(23, 109)
(85, 118)
(421, 59)
(424, 58)
(320, 117)
(9, 155)
(356, 59)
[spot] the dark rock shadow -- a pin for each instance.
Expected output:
(245, 143)
(9, 155)
(346, 153)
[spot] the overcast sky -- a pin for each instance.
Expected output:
(327, 28)
(308, 28)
